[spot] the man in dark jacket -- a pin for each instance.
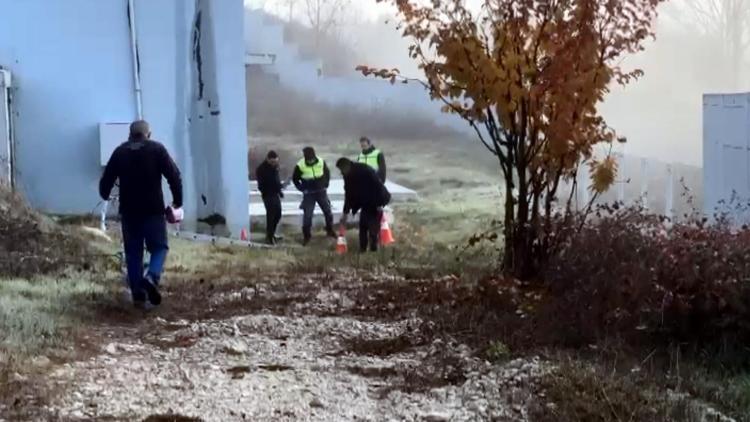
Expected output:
(364, 191)
(271, 189)
(372, 156)
(311, 177)
(139, 164)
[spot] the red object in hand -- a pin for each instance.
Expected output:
(174, 215)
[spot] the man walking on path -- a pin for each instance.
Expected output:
(271, 189)
(311, 177)
(364, 191)
(372, 156)
(139, 164)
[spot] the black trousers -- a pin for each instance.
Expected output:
(308, 207)
(369, 228)
(273, 214)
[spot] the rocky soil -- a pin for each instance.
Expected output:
(265, 367)
(313, 354)
(333, 347)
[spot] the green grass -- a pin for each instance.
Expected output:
(36, 314)
(188, 260)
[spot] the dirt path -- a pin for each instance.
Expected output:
(310, 353)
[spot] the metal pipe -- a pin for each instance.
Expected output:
(644, 183)
(136, 66)
(621, 171)
(5, 85)
(103, 216)
(669, 194)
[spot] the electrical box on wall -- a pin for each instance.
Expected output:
(111, 135)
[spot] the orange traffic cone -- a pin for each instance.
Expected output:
(386, 236)
(341, 246)
(243, 235)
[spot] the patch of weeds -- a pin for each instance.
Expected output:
(189, 261)
(729, 391)
(577, 392)
(38, 313)
(498, 352)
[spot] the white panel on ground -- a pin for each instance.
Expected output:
(292, 214)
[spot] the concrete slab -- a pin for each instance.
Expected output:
(291, 214)
(398, 192)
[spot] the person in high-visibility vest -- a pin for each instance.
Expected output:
(372, 156)
(311, 177)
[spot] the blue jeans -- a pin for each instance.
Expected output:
(135, 232)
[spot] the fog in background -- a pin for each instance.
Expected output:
(700, 47)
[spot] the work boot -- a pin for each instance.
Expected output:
(271, 241)
(152, 290)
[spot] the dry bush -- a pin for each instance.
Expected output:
(629, 275)
(577, 392)
(31, 244)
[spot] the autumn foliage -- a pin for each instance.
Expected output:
(528, 76)
(639, 282)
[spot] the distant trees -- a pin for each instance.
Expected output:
(289, 6)
(528, 76)
(324, 16)
(728, 21)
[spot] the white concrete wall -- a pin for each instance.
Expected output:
(72, 67)
(726, 155)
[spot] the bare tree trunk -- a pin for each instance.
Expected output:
(317, 27)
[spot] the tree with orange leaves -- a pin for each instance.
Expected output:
(527, 75)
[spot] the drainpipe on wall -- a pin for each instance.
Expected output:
(5, 85)
(136, 59)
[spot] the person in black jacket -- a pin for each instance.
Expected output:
(366, 192)
(271, 189)
(311, 177)
(139, 164)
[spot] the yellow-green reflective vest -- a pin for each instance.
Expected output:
(311, 172)
(370, 159)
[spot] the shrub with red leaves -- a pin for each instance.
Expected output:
(632, 275)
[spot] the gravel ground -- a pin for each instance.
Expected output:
(271, 368)
(313, 358)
